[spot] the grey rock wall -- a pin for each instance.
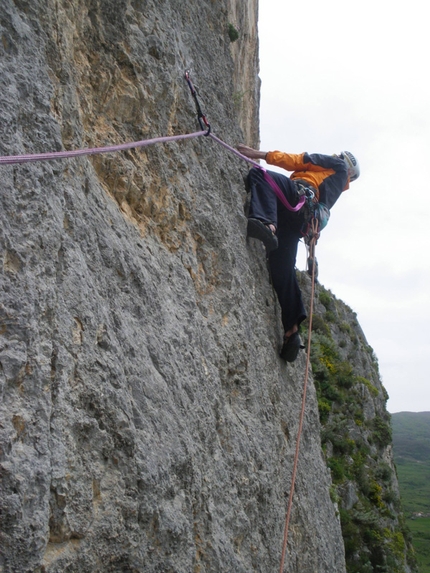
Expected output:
(357, 440)
(147, 423)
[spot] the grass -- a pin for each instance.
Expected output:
(420, 529)
(411, 433)
(414, 481)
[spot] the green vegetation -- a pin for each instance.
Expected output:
(414, 481)
(411, 439)
(420, 529)
(233, 33)
(356, 431)
(412, 435)
(238, 98)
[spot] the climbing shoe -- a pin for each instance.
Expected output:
(290, 348)
(258, 230)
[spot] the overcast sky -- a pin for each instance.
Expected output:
(354, 76)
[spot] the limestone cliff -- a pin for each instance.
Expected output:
(147, 423)
(357, 440)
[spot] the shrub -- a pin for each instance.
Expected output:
(345, 327)
(326, 299)
(344, 376)
(318, 325)
(337, 469)
(382, 433)
(330, 316)
(384, 473)
(233, 33)
(372, 389)
(324, 409)
(375, 494)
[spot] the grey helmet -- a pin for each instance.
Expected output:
(352, 165)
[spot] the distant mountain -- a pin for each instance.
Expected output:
(411, 436)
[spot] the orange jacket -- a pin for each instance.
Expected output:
(328, 174)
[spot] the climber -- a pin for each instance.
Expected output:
(320, 177)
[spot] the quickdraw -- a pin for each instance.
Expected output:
(200, 115)
(314, 211)
(205, 125)
(316, 217)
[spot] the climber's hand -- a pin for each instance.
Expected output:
(250, 152)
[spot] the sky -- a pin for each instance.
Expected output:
(354, 76)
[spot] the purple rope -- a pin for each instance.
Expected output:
(235, 151)
(11, 159)
(281, 196)
(277, 190)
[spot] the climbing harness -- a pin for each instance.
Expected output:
(304, 189)
(316, 216)
(314, 225)
(312, 211)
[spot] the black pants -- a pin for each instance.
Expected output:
(266, 207)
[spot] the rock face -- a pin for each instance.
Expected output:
(357, 440)
(147, 423)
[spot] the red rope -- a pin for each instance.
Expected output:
(302, 413)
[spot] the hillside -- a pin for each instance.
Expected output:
(411, 441)
(411, 436)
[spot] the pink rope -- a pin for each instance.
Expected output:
(277, 190)
(235, 151)
(11, 159)
(281, 196)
